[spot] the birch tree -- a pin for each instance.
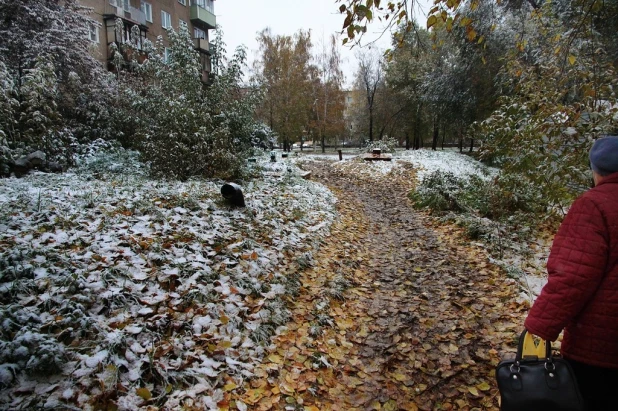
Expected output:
(328, 94)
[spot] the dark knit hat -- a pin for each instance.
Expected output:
(604, 155)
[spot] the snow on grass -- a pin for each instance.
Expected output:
(429, 161)
(120, 289)
(424, 160)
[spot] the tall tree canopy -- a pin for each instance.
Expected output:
(283, 69)
(328, 93)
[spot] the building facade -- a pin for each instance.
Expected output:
(153, 18)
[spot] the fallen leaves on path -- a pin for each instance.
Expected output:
(394, 315)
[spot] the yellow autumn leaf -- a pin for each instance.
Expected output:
(225, 344)
(483, 386)
(275, 358)
(286, 388)
(471, 35)
(473, 391)
(229, 387)
(466, 21)
(431, 21)
(572, 59)
(400, 377)
(144, 393)
(390, 405)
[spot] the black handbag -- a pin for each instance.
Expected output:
(537, 381)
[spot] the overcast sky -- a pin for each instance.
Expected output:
(242, 19)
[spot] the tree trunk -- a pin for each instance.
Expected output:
(407, 140)
(436, 134)
(443, 136)
(370, 125)
(471, 144)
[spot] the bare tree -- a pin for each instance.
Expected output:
(368, 78)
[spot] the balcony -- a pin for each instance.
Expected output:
(202, 45)
(134, 15)
(200, 16)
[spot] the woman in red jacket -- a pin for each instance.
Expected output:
(581, 295)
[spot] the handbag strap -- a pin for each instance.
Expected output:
(527, 347)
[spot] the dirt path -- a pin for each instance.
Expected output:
(397, 313)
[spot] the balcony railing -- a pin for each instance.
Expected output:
(205, 4)
(202, 16)
(202, 44)
(135, 15)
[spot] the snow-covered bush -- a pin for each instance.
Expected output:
(53, 93)
(263, 137)
(182, 128)
(496, 199)
(497, 211)
(387, 145)
(440, 191)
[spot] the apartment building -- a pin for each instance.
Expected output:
(152, 17)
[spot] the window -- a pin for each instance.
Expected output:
(167, 55)
(183, 2)
(166, 20)
(125, 4)
(93, 33)
(205, 4)
(147, 9)
(199, 34)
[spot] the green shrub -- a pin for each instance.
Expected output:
(440, 191)
(500, 212)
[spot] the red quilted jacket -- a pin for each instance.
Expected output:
(581, 294)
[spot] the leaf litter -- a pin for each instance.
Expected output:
(150, 295)
(397, 313)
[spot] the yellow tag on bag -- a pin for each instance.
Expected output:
(532, 348)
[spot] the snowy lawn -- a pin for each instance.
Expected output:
(425, 161)
(119, 289)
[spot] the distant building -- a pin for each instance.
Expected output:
(152, 17)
